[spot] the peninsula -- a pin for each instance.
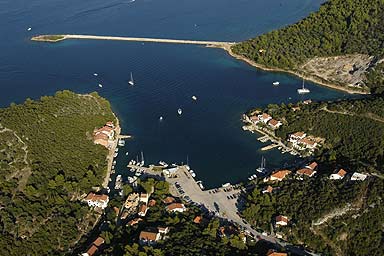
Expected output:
(48, 163)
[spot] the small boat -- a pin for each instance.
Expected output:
(303, 90)
(95, 74)
(131, 82)
(116, 149)
(194, 97)
(126, 153)
(29, 29)
(276, 83)
(121, 143)
(193, 175)
(100, 85)
(116, 154)
(161, 118)
(179, 111)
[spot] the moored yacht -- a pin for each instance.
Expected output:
(303, 90)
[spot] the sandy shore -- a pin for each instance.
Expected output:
(228, 49)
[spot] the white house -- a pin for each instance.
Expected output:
(94, 200)
(264, 117)
(274, 124)
(339, 175)
(171, 172)
(359, 176)
(176, 207)
(144, 198)
(163, 230)
(296, 136)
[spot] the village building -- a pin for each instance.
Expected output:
(272, 252)
(149, 237)
(134, 221)
(151, 202)
(94, 200)
(169, 200)
(306, 171)
(305, 144)
(197, 219)
(176, 207)
(163, 230)
(339, 175)
(144, 197)
(277, 175)
(254, 119)
(268, 189)
(143, 210)
(281, 220)
(132, 201)
(94, 247)
(104, 135)
(274, 124)
(264, 118)
(171, 172)
(358, 176)
(296, 136)
(312, 166)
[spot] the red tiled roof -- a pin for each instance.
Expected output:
(280, 174)
(312, 166)
(273, 253)
(341, 172)
(273, 122)
(175, 206)
(92, 250)
(134, 221)
(298, 134)
(93, 197)
(143, 208)
(197, 219)
(307, 141)
(254, 118)
(281, 218)
(169, 200)
(100, 136)
(147, 235)
(269, 189)
(265, 116)
(99, 241)
(305, 171)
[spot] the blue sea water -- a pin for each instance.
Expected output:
(209, 130)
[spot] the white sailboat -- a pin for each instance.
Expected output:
(131, 82)
(276, 83)
(179, 111)
(161, 118)
(262, 169)
(100, 85)
(194, 97)
(303, 90)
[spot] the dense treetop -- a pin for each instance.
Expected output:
(339, 27)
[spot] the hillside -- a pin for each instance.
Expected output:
(47, 161)
(344, 217)
(346, 37)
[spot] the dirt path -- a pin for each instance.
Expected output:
(366, 115)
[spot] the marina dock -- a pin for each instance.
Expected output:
(271, 146)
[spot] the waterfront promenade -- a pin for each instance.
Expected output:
(58, 38)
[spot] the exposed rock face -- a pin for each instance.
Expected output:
(348, 70)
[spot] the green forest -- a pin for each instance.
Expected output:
(356, 232)
(47, 161)
(340, 27)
